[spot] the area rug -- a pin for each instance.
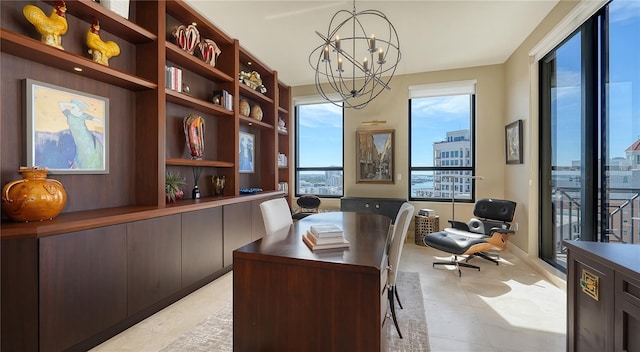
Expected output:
(215, 334)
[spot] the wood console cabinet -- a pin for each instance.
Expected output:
(70, 290)
(603, 297)
(385, 206)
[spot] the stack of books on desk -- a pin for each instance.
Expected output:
(325, 236)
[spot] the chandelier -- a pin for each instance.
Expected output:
(342, 77)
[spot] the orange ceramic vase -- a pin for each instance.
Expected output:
(34, 197)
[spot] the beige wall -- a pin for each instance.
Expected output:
(521, 181)
(504, 93)
(392, 106)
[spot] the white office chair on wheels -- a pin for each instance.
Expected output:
(400, 227)
(275, 214)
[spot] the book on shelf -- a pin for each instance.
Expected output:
(173, 78)
(223, 98)
(325, 230)
(335, 245)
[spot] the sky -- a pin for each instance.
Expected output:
(431, 119)
(624, 87)
(320, 135)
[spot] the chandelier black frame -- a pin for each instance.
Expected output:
(353, 83)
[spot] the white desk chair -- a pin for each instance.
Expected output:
(275, 214)
(400, 227)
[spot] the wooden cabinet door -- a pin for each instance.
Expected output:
(589, 321)
(388, 207)
(238, 228)
(384, 206)
(154, 261)
(201, 244)
(360, 205)
(627, 313)
(83, 285)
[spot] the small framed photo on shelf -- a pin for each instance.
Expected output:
(247, 152)
(67, 130)
(374, 156)
(513, 142)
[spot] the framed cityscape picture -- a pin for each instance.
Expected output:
(247, 152)
(67, 131)
(374, 156)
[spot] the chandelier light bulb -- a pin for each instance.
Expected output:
(326, 54)
(381, 57)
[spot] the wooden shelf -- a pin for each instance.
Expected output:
(200, 163)
(253, 122)
(194, 64)
(249, 93)
(110, 21)
(283, 110)
(195, 103)
(34, 50)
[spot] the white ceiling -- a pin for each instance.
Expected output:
(434, 35)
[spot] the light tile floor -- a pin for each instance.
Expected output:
(503, 308)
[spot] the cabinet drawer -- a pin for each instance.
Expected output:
(385, 206)
(628, 289)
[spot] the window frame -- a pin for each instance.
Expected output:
(434, 169)
(297, 168)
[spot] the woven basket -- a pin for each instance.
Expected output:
(425, 225)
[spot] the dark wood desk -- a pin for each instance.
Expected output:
(288, 298)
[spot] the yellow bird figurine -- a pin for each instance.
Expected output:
(100, 50)
(50, 28)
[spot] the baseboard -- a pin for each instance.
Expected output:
(552, 274)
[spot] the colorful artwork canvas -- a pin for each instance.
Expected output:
(67, 130)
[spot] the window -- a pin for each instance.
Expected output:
(319, 149)
(591, 80)
(441, 125)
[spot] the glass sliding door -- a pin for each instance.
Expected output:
(562, 150)
(590, 134)
(621, 137)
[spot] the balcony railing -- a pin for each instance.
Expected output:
(623, 222)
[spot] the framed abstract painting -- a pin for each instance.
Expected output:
(67, 131)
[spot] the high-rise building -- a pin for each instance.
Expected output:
(454, 151)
